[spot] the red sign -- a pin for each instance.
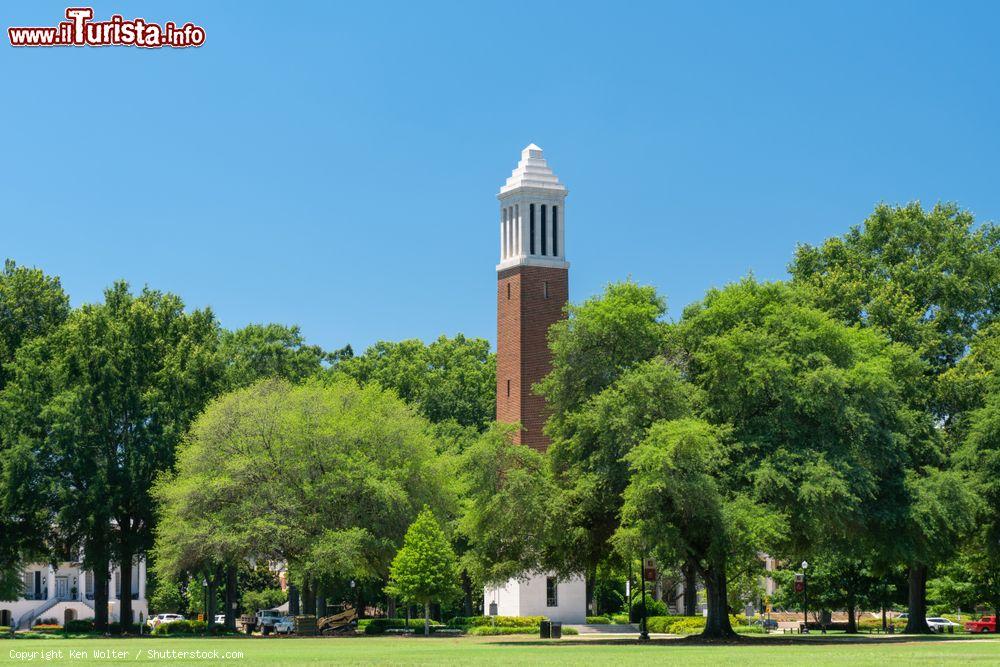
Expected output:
(800, 583)
(648, 569)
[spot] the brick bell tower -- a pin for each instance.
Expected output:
(532, 288)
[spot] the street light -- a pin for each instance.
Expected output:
(805, 595)
(204, 588)
(644, 628)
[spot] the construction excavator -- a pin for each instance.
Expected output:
(342, 622)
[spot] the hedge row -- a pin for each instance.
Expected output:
(79, 625)
(181, 628)
(599, 620)
(497, 621)
(489, 631)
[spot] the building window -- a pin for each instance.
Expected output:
(551, 592)
(545, 289)
(531, 226)
(508, 388)
(555, 231)
(544, 230)
(508, 291)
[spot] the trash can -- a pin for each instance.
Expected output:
(555, 630)
(545, 630)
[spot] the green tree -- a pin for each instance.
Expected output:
(261, 351)
(607, 386)
(509, 519)
(815, 412)
(925, 278)
(32, 304)
(324, 476)
(95, 410)
(450, 379)
(425, 568)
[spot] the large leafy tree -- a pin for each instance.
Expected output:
(325, 476)
(451, 379)
(94, 411)
(815, 414)
(425, 569)
(609, 383)
(260, 351)
(32, 305)
(509, 520)
(927, 279)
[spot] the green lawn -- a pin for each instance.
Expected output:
(499, 651)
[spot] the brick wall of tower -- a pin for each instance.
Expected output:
(524, 315)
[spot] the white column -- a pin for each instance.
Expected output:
(503, 213)
(142, 578)
(516, 222)
(51, 584)
(510, 239)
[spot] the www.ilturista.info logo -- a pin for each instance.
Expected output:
(79, 30)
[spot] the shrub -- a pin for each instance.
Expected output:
(181, 628)
(676, 625)
(620, 619)
(79, 625)
(378, 626)
(655, 607)
(117, 629)
(599, 620)
(498, 621)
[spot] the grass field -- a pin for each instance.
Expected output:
(496, 651)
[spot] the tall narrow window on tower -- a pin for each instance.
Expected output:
(531, 224)
(544, 229)
(555, 231)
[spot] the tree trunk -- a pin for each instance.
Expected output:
(101, 578)
(916, 622)
(308, 600)
(213, 591)
(467, 589)
(390, 607)
(320, 602)
(427, 619)
(852, 621)
(125, 601)
(717, 625)
(591, 589)
(690, 588)
(293, 600)
(230, 597)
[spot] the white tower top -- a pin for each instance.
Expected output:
(532, 214)
(532, 172)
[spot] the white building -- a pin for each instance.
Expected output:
(540, 595)
(66, 593)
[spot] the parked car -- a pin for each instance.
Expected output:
(984, 625)
(160, 619)
(284, 625)
(938, 624)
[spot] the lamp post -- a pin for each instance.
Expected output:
(644, 628)
(204, 597)
(805, 595)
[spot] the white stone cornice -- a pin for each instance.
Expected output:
(535, 260)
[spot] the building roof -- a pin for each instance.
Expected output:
(532, 172)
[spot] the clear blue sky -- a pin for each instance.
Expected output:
(335, 164)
